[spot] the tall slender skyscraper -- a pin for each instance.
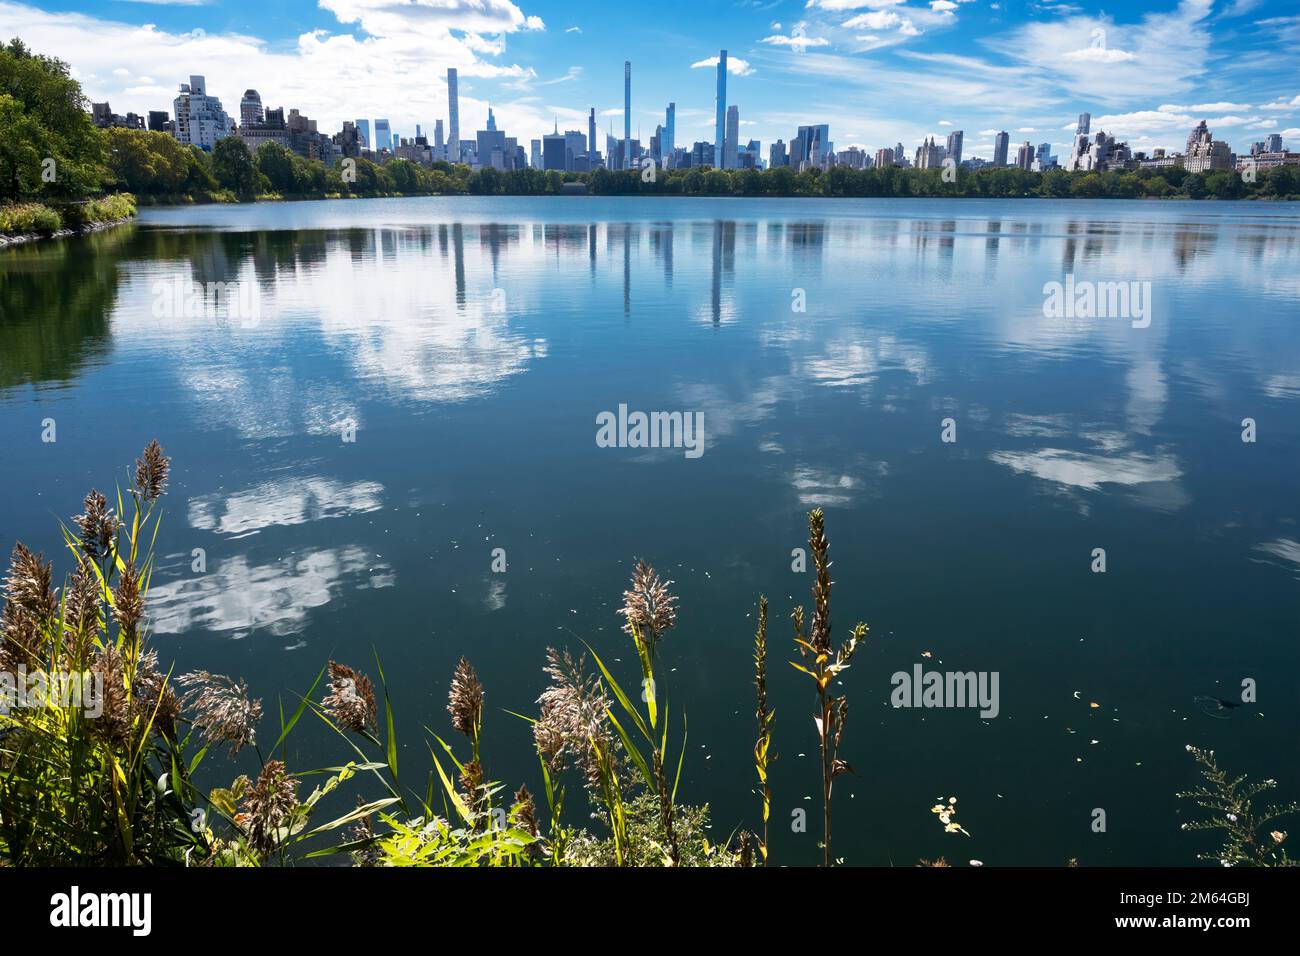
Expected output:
(954, 146)
(1001, 143)
(720, 133)
(670, 131)
(627, 114)
(592, 151)
(729, 160)
(453, 117)
(1085, 124)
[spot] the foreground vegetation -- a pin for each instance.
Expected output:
(51, 153)
(118, 783)
(52, 159)
(33, 218)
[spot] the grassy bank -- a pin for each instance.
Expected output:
(46, 219)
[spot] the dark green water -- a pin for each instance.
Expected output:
(475, 416)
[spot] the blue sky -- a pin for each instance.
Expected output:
(878, 71)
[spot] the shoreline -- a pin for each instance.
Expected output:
(19, 239)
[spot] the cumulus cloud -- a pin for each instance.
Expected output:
(734, 65)
(852, 4)
(1097, 57)
(795, 41)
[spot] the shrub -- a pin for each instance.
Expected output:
(21, 219)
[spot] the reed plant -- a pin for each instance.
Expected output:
(763, 755)
(99, 744)
(824, 664)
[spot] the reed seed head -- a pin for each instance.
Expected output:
(648, 606)
(221, 708)
(269, 805)
(128, 601)
(98, 524)
(29, 584)
(82, 601)
(114, 723)
(525, 810)
(820, 547)
(574, 713)
(151, 472)
(465, 700)
(155, 699)
(351, 700)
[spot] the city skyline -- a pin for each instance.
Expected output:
(962, 64)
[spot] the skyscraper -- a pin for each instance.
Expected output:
(553, 150)
(250, 108)
(1001, 143)
(954, 146)
(439, 137)
(575, 149)
(1085, 124)
(383, 135)
(720, 138)
(363, 133)
(627, 114)
(670, 130)
(729, 149)
(591, 139)
(200, 119)
(1025, 156)
(811, 146)
(453, 117)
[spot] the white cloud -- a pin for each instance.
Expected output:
(734, 65)
(852, 4)
(573, 30)
(797, 40)
(879, 20)
(1099, 54)
(1222, 107)
(1097, 58)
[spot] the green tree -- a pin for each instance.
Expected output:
(156, 164)
(232, 165)
(1089, 186)
(276, 164)
(49, 148)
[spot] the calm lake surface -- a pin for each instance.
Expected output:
(473, 342)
